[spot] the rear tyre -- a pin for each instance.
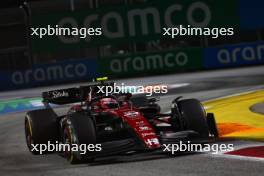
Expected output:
(194, 115)
(79, 130)
(40, 127)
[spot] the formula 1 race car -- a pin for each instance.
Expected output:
(121, 123)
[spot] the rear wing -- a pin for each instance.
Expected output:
(72, 95)
(62, 96)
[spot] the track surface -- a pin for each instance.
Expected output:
(16, 160)
(258, 108)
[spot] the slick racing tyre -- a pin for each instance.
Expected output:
(40, 128)
(79, 129)
(195, 116)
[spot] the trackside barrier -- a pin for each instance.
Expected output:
(173, 61)
(76, 70)
(147, 64)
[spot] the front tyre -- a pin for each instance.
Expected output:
(195, 116)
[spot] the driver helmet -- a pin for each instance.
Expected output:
(109, 103)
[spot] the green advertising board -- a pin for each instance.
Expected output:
(152, 63)
(133, 23)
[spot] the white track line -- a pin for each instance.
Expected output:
(239, 157)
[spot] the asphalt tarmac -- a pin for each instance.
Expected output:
(258, 108)
(15, 158)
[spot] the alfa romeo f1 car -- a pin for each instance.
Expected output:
(121, 123)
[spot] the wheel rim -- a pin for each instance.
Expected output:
(68, 140)
(28, 133)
